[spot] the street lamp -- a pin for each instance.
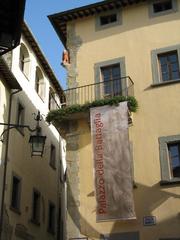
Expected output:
(37, 141)
(37, 145)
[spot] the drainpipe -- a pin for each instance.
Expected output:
(60, 234)
(58, 219)
(5, 163)
(61, 229)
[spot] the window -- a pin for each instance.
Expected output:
(16, 191)
(20, 117)
(166, 65)
(36, 207)
(24, 60)
(169, 66)
(54, 100)
(110, 72)
(162, 7)
(170, 158)
(40, 84)
(51, 218)
(109, 19)
(53, 157)
(174, 159)
(111, 76)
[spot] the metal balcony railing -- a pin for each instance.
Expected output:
(117, 87)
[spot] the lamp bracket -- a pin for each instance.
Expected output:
(11, 126)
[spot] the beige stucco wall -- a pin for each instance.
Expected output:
(158, 115)
(35, 172)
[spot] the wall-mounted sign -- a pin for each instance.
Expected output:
(149, 220)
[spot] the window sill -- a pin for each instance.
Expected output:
(35, 222)
(173, 181)
(16, 210)
(165, 83)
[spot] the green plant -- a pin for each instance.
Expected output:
(63, 113)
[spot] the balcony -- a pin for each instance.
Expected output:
(76, 102)
(123, 86)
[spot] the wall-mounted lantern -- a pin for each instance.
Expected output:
(37, 140)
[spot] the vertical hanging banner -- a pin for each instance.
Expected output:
(112, 163)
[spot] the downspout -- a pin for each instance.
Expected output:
(58, 219)
(5, 163)
(64, 193)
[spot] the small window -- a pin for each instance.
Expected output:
(51, 218)
(53, 157)
(36, 207)
(20, 117)
(162, 6)
(108, 19)
(174, 159)
(40, 84)
(111, 76)
(169, 66)
(170, 159)
(24, 60)
(16, 191)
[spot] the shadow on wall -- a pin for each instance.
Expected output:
(77, 219)
(155, 198)
(7, 227)
(147, 199)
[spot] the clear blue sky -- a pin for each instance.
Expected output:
(36, 13)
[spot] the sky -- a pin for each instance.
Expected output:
(36, 12)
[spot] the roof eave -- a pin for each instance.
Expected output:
(8, 76)
(85, 11)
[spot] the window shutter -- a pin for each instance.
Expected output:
(42, 89)
(165, 174)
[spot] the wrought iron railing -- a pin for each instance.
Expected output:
(117, 87)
